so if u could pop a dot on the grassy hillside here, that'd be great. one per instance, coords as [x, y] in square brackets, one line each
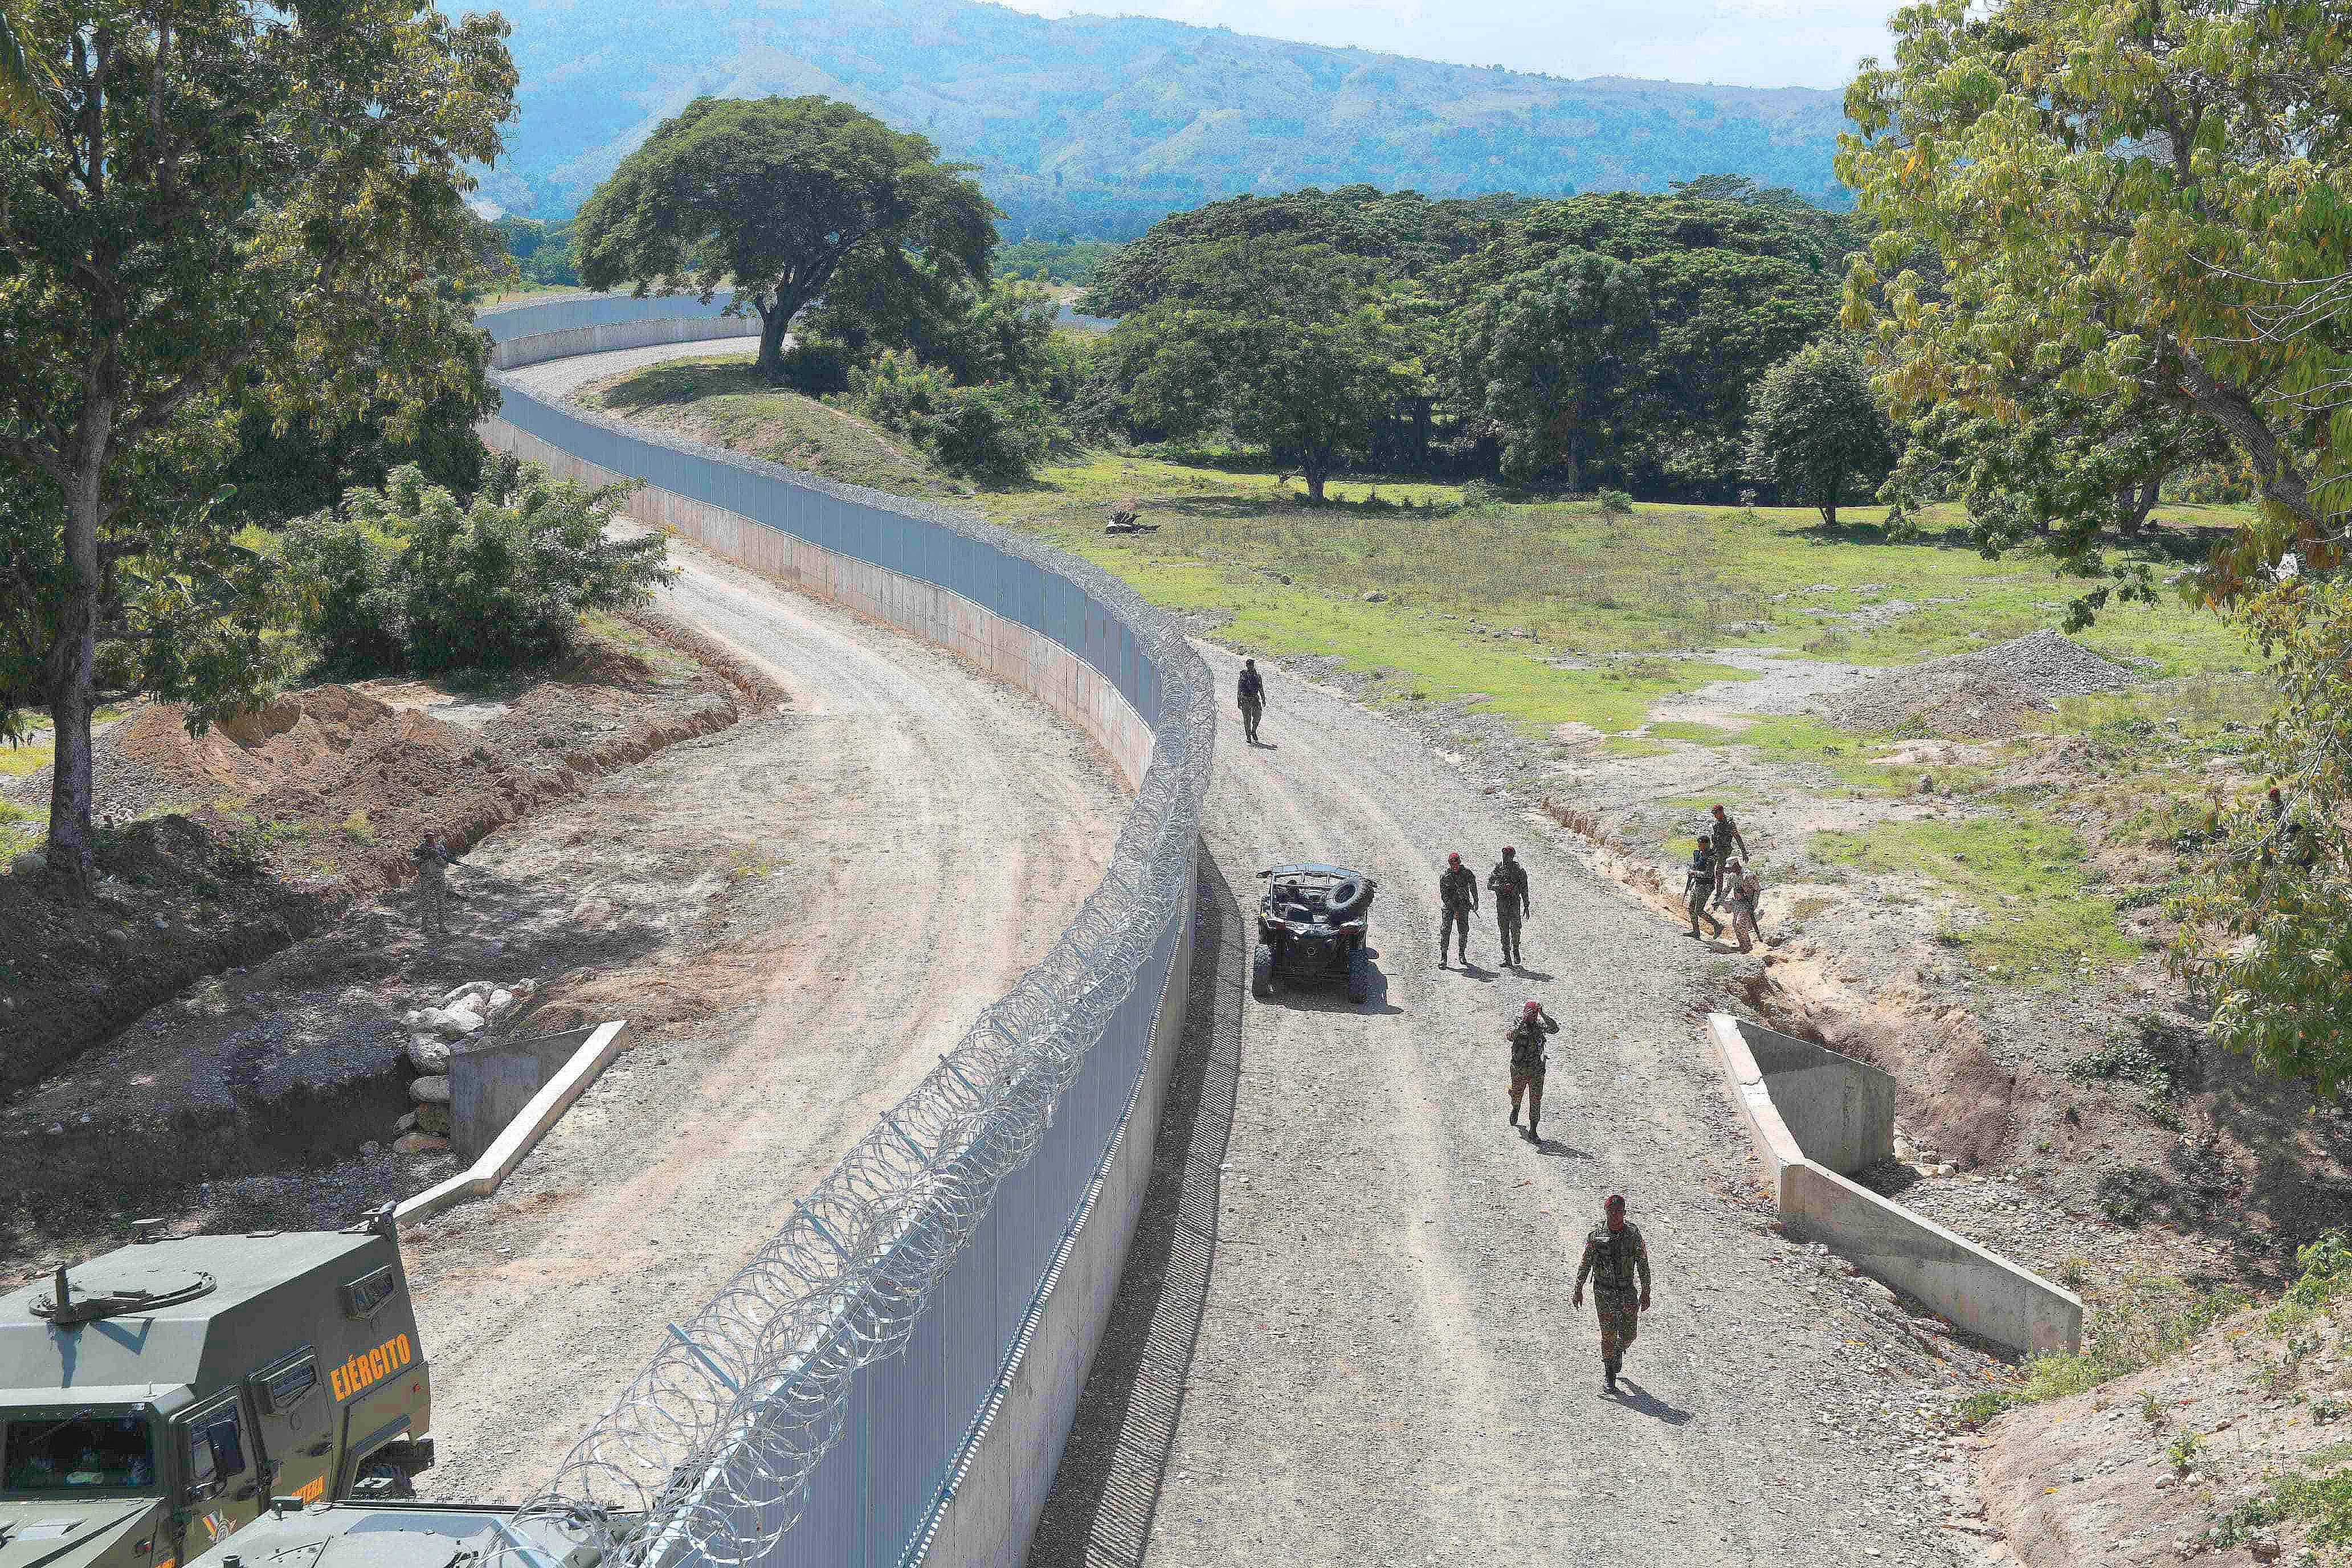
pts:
[1097, 125]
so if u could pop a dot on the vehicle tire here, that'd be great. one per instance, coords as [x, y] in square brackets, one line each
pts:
[1261, 973]
[1359, 977]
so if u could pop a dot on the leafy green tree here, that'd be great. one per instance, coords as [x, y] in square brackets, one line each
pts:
[22, 76]
[1816, 433]
[1543, 360]
[2120, 193]
[1287, 346]
[777, 195]
[240, 206]
[2267, 929]
[412, 576]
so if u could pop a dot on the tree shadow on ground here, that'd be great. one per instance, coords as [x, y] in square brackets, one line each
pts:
[1106, 1491]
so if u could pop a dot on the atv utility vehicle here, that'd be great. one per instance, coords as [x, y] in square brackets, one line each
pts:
[1310, 926]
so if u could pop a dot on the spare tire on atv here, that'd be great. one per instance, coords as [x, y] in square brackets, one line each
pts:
[1262, 972]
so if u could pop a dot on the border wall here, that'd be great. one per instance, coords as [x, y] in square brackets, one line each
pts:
[1846, 1109]
[891, 1381]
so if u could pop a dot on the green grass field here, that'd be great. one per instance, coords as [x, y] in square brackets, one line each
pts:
[1610, 605]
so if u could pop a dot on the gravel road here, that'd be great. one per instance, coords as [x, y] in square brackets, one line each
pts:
[1388, 1368]
[891, 851]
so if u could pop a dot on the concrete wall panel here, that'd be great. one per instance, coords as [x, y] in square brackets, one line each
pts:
[1079, 657]
[1842, 1111]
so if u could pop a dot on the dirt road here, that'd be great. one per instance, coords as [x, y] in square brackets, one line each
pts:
[1388, 1367]
[800, 877]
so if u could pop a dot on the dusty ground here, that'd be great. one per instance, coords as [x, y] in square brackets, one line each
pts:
[2218, 1184]
[797, 889]
[2177, 1460]
[275, 821]
[1387, 1367]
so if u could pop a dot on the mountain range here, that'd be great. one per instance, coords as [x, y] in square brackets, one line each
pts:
[1097, 126]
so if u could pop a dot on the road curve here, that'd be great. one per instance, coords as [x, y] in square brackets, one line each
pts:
[1387, 1368]
[893, 850]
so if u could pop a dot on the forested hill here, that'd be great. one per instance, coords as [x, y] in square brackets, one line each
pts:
[1098, 126]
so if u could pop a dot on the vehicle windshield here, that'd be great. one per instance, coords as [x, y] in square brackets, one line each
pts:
[89, 1451]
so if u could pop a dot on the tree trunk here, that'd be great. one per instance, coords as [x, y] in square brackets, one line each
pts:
[2132, 515]
[72, 670]
[773, 320]
[1315, 478]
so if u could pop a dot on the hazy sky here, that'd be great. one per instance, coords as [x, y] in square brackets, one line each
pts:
[1747, 43]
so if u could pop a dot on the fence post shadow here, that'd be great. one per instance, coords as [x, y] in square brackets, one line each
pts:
[1107, 1490]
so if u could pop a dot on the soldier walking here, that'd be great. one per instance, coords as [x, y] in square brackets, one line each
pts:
[1745, 891]
[433, 862]
[1457, 895]
[1614, 1256]
[1526, 1038]
[1513, 901]
[1698, 886]
[1252, 695]
[1727, 837]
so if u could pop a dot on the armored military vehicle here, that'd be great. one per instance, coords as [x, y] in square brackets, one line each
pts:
[1310, 926]
[155, 1400]
[418, 1535]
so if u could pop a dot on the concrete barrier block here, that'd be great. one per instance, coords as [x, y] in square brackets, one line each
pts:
[1841, 1111]
[1980, 1290]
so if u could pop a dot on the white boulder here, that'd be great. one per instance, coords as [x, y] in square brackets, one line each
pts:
[431, 1089]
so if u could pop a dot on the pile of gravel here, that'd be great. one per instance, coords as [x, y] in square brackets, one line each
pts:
[2050, 665]
[1979, 696]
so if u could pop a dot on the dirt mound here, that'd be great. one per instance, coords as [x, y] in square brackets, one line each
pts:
[313, 741]
[292, 811]
[1979, 696]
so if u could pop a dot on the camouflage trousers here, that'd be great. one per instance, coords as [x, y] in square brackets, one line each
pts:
[1507, 924]
[1621, 1320]
[1530, 1085]
[432, 898]
[1694, 896]
[1456, 917]
[1253, 708]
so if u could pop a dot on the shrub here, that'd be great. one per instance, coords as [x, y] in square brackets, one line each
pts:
[997, 433]
[411, 577]
[817, 367]
[1616, 504]
[899, 392]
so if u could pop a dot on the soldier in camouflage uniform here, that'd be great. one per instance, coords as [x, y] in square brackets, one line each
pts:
[1513, 901]
[1698, 886]
[1526, 1038]
[433, 862]
[1728, 842]
[1457, 896]
[1250, 693]
[1614, 1257]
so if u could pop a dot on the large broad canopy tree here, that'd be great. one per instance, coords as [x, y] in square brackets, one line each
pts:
[776, 195]
[239, 204]
[2127, 196]
[2141, 205]
[1285, 346]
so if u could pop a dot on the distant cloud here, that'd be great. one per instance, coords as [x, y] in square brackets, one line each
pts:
[1743, 43]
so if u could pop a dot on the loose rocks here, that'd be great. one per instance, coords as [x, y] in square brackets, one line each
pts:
[433, 1089]
[1979, 696]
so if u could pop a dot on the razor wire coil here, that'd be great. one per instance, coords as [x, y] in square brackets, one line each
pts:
[707, 1454]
